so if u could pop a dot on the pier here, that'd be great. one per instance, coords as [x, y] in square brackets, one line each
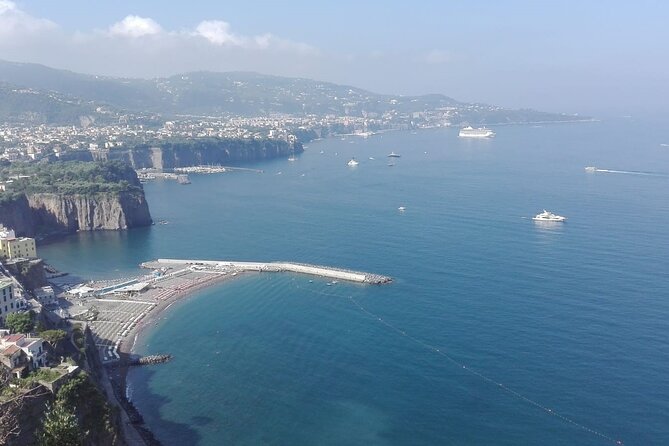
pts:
[215, 169]
[114, 309]
[301, 268]
[145, 175]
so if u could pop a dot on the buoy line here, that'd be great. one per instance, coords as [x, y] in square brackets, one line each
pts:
[474, 372]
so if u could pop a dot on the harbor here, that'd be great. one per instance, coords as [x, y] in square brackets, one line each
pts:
[224, 266]
[180, 174]
[145, 175]
[115, 309]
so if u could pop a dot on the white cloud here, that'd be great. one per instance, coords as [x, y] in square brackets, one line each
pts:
[263, 41]
[14, 22]
[218, 32]
[135, 26]
[140, 47]
[6, 6]
[436, 57]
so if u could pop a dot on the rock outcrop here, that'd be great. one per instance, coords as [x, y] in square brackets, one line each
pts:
[47, 213]
[29, 272]
[72, 213]
[15, 213]
[195, 152]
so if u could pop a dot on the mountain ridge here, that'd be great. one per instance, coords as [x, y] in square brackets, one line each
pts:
[238, 93]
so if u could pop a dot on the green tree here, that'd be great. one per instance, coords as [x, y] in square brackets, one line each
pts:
[19, 322]
[53, 337]
[94, 413]
[59, 428]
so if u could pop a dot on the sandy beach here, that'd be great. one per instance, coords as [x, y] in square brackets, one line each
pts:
[126, 347]
[117, 371]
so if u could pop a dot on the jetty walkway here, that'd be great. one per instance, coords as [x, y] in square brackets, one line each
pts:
[302, 268]
[113, 310]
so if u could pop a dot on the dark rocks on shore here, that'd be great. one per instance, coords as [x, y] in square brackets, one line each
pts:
[148, 360]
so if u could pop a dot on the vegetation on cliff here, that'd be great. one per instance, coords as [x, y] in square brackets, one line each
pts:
[20, 322]
[76, 414]
[66, 197]
[59, 428]
[70, 178]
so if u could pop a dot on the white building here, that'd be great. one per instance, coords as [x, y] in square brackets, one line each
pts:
[32, 347]
[45, 295]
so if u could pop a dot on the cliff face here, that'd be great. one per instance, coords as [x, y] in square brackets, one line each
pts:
[29, 272]
[71, 213]
[197, 152]
[16, 213]
[54, 213]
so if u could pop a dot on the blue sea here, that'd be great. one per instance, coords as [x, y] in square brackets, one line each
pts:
[496, 330]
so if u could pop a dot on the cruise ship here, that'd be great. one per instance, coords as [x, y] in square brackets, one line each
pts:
[548, 216]
[470, 132]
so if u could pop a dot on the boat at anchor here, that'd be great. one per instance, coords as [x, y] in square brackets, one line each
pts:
[548, 216]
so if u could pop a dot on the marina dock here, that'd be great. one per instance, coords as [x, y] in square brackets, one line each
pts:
[302, 268]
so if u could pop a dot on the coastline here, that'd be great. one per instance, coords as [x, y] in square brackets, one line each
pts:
[127, 346]
[118, 372]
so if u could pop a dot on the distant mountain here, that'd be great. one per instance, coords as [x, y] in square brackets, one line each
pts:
[240, 93]
[130, 94]
[18, 104]
[237, 93]
[253, 94]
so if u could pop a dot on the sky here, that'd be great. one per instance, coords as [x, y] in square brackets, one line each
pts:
[588, 57]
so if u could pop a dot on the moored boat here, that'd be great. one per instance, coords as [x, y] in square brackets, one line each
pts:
[548, 216]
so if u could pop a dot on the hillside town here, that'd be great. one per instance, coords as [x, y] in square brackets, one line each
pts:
[34, 142]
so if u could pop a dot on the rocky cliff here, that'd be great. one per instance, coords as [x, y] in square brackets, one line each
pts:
[196, 152]
[49, 213]
[71, 213]
[15, 212]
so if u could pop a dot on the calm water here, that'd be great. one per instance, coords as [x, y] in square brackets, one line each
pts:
[574, 317]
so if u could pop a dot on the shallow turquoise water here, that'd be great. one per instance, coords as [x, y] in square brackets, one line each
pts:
[572, 317]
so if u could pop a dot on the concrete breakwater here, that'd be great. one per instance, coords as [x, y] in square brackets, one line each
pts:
[302, 268]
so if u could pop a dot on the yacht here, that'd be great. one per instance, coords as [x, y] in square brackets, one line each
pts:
[352, 163]
[401, 209]
[471, 132]
[548, 216]
[591, 169]
[393, 155]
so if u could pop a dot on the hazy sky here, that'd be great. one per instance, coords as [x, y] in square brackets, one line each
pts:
[568, 56]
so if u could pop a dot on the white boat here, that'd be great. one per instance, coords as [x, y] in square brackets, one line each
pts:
[471, 132]
[548, 216]
[401, 209]
[393, 155]
[591, 169]
[352, 163]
